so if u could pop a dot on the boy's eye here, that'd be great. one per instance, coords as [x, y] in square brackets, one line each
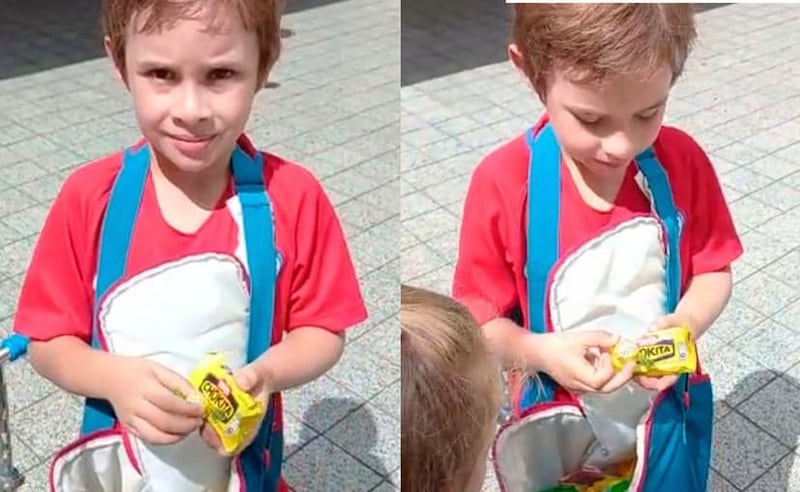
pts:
[588, 120]
[648, 116]
[222, 74]
[160, 74]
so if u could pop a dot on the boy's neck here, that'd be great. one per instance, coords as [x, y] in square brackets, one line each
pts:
[204, 188]
[598, 192]
[186, 200]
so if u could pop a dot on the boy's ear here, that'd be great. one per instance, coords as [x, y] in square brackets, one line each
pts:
[516, 59]
[118, 72]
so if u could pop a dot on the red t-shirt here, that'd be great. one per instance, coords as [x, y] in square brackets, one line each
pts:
[489, 274]
[317, 283]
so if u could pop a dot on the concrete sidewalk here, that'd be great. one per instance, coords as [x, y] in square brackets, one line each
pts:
[335, 109]
[739, 98]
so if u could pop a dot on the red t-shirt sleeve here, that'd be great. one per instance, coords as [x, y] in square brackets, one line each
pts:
[56, 296]
[484, 279]
[715, 243]
[325, 292]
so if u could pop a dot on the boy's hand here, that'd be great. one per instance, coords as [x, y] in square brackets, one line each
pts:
[145, 401]
[250, 380]
[660, 383]
[580, 362]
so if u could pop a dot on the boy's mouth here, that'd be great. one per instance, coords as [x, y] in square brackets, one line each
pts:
[191, 139]
[191, 146]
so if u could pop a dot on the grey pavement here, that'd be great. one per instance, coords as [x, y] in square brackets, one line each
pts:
[334, 107]
[739, 98]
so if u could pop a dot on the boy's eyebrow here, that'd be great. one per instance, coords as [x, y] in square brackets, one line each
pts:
[586, 109]
[654, 106]
[150, 63]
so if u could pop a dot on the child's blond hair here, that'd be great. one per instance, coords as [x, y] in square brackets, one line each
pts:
[261, 16]
[590, 41]
[450, 387]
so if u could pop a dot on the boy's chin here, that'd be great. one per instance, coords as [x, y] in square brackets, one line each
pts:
[190, 165]
[601, 168]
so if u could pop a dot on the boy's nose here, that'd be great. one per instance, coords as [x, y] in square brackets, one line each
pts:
[191, 107]
[619, 147]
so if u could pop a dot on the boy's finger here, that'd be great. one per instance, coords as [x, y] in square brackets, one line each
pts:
[600, 339]
[148, 433]
[619, 379]
[174, 404]
[591, 377]
[173, 381]
[169, 422]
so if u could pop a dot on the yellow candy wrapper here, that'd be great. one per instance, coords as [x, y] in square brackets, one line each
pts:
[230, 411]
[662, 352]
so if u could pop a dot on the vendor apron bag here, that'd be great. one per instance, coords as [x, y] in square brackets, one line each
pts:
[548, 433]
[103, 458]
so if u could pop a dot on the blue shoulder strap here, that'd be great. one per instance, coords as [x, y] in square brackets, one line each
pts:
[262, 257]
[120, 217]
[118, 223]
[543, 214]
[664, 204]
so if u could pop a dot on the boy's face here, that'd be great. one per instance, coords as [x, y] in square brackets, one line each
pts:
[192, 88]
[601, 128]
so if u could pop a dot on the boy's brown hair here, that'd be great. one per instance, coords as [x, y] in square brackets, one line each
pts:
[450, 391]
[591, 41]
[261, 16]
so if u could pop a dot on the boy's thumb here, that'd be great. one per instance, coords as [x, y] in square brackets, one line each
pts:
[246, 378]
[599, 339]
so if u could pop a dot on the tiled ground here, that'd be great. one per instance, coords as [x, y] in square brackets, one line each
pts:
[741, 100]
[335, 108]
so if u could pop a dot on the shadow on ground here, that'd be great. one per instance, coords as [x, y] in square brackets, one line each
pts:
[761, 413]
[40, 35]
[362, 439]
[448, 36]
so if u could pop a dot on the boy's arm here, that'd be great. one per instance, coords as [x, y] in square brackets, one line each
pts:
[293, 363]
[705, 299]
[71, 364]
[325, 299]
[714, 246]
[484, 280]
[54, 309]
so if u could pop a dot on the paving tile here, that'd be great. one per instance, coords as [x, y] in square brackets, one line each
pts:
[321, 403]
[13, 200]
[439, 280]
[734, 375]
[320, 463]
[33, 424]
[783, 476]
[745, 180]
[751, 212]
[384, 339]
[765, 294]
[718, 484]
[363, 371]
[419, 260]
[786, 268]
[772, 344]
[370, 435]
[736, 320]
[432, 224]
[742, 452]
[36, 479]
[774, 409]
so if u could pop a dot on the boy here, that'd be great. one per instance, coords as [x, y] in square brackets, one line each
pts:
[190, 242]
[595, 237]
